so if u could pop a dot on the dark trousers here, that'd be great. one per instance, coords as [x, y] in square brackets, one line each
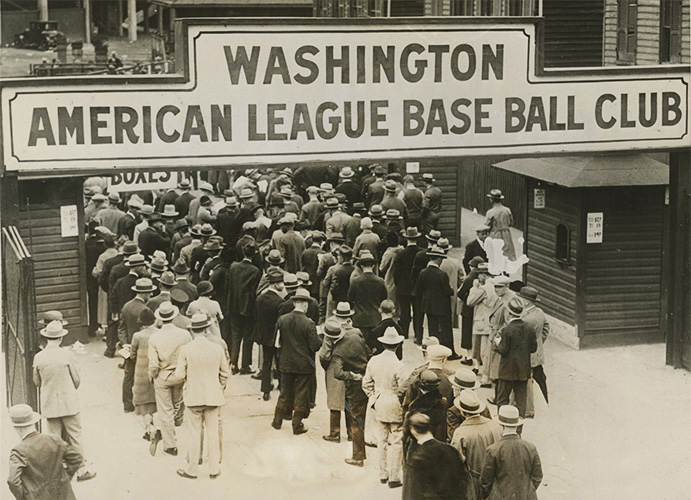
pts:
[92, 298]
[418, 319]
[404, 303]
[269, 354]
[294, 398]
[519, 388]
[335, 423]
[111, 335]
[440, 326]
[241, 333]
[356, 405]
[127, 384]
[467, 332]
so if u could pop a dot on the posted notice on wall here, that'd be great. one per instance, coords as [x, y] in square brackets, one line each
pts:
[595, 227]
[539, 198]
[69, 224]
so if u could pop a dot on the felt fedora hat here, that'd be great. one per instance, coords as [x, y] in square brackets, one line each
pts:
[302, 295]
[411, 233]
[393, 214]
[508, 416]
[246, 193]
[274, 276]
[159, 265]
[366, 257]
[391, 337]
[129, 248]
[469, 402]
[376, 211]
[390, 186]
[464, 378]
[326, 186]
[146, 210]
[207, 230]
[114, 196]
[303, 278]
[515, 307]
[444, 244]
[167, 311]
[495, 194]
[54, 330]
[346, 173]
[50, 316]
[181, 224]
[475, 261]
[184, 184]
[167, 278]
[345, 250]
[231, 201]
[23, 415]
[204, 288]
[180, 267]
[275, 258]
[331, 203]
[169, 211]
[290, 281]
[343, 310]
[143, 285]
[136, 260]
[437, 252]
[433, 235]
[529, 293]
[333, 329]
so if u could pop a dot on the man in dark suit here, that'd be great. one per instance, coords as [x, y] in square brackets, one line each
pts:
[128, 326]
[476, 247]
[403, 278]
[122, 291]
[433, 290]
[515, 342]
[298, 342]
[95, 246]
[182, 202]
[433, 470]
[154, 237]
[241, 282]
[341, 275]
[127, 223]
[292, 283]
[226, 222]
[349, 357]
[366, 293]
[268, 303]
[167, 199]
[113, 268]
[512, 468]
[467, 311]
[310, 261]
[42, 465]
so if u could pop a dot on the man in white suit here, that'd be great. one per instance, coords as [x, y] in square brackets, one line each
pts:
[203, 366]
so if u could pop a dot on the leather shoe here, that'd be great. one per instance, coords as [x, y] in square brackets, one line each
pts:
[487, 385]
[171, 451]
[257, 376]
[395, 484]
[453, 357]
[154, 443]
[276, 424]
[109, 354]
[214, 476]
[467, 362]
[234, 370]
[184, 474]
[146, 436]
[371, 445]
[246, 371]
[266, 396]
[476, 371]
[332, 439]
[300, 430]
[384, 480]
[357, 463]
[86, 476]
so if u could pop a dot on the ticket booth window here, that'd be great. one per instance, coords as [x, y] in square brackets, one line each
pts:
[563, 244]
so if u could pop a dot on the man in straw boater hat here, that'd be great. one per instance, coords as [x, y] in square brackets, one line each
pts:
[349, 358]
[435, 293]
[42, 465]
[366, 293]
[433, 469]
[383, 382]
[203, 367]
[512, 467]
[128, 326]
[462, 379]
[297, 341]
[474, 435]
[266, 309]
[164, 348]
[56, 375]
[515, 342]
[499, 219]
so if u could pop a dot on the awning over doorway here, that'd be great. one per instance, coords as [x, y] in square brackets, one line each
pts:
[592, 171]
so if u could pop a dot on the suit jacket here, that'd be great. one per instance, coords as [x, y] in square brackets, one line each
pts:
[310, 211]
[512, 469]
[41, 467]
[341, 281]
[242, 280]
[203, 366]
[122, 292]
[434, 471]
[310, 264]
[108, 265]
[535, 318]
[126, 226]
[467, 284]
[298, 341]
[351, 230]
[110, 218]
[383, 381]
[434, 291]
[403, 270]
[55, 373]
[291, 245]
[351, 192]
[335, 224]
[129, 316]
[226, 224]
[350, 355]
[94, 248]
[267, 307]
[454, 419]
[288, 305]
[151, 240]
[432, 404]
[182, 203]
[167, 199]
[517, 342]
[365, 294]
[473, 249]
[164, 349]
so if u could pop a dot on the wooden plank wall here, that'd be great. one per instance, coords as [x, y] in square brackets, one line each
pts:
[573, 33]
[624, 273]
[556, 282]
[60, 278]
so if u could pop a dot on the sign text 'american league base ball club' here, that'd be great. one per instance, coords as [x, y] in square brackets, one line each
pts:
[268, 93]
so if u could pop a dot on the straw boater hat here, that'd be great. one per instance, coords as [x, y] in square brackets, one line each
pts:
[433, 235]
[23, 415]
[464, 378]
[495, 194]
[184, 184]
[333, 329]
[393, 214]
[199, 321]
[343, 310]
[50, 316]
[231, 202]
[346, 173]
[54, 330]
[290, 281]
[331, 203]
[391, 337]
[158, 264]
[436, 252]
[326, 186]
[469, 403]
[444, 244]
[508, 416]
[129, 248]
[246, 193]
[302, 295]
[207, 230]
[303, 278]
[376, 211]
[169, 211]
[166, 311]
[411, 233]
[143, 285]
[136, 260]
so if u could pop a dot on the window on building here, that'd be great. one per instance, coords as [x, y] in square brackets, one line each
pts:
[515, 7]
[562, 251]
[626, 31]
[462, 8]
[486, 8]
[670, 31]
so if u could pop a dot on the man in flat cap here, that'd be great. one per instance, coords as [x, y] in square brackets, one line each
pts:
[476, 248]
[534, 317]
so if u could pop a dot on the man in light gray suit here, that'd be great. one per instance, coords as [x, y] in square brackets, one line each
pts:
[203, 366]
[55, 373]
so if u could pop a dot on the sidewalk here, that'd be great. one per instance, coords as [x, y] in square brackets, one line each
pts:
[616, 428]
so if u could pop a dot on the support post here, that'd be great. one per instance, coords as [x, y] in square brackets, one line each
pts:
[132, 23]
[42, 10]
[87, 21]
[159, 16]
[120, 20]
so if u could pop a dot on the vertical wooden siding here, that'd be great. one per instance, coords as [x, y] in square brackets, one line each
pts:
[573, 33]
[624, 273]
[555, 281]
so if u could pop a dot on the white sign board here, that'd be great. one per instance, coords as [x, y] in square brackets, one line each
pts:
[595, 227]
[539, 198]
[256, 92]
[69, 225]
[142, 181]
[412, 167]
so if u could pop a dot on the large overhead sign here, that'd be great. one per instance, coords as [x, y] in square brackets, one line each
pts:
[257, 93]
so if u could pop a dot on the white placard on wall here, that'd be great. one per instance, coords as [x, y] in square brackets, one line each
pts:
[595, 227]
[539, 198]
[69, 221]
[412, 167]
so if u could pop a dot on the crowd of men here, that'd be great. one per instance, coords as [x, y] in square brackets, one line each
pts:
[327, 265]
